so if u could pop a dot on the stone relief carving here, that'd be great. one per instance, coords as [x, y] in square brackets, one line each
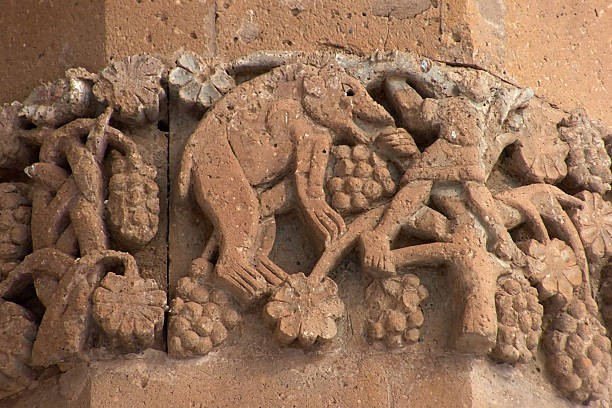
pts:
[412, 165]
[84, 187]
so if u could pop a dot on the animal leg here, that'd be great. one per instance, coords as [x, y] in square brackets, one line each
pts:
[481, 202]
[273, 274]
[226, 197]
[375, 245]
[312, 156]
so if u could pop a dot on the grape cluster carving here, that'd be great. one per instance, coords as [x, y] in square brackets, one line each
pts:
[394, 314]
[15, 212]
[519, 320]
[578, 351]
[201, 318]
[133, 203]
[361, 178]
[17, 333]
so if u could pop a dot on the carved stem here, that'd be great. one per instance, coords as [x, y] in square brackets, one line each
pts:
[474, 277]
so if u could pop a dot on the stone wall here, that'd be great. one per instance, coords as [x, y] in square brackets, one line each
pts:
[559, 48]
[503, 283]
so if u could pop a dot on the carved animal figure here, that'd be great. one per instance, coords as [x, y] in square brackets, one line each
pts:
[270, 138]
[466, 145]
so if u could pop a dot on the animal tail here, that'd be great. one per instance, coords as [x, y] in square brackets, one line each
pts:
[184, 177]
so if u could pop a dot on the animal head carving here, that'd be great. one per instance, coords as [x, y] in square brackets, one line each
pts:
[342, 103]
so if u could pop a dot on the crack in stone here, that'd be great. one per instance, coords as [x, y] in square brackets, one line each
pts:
[496, 75]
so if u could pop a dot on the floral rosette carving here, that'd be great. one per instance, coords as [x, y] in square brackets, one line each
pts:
[578, 351]
[130, 310]
[199, 83]
[17, 334]
[200, 319]
[594, 224]
[539, 155]
[553, 269]
[519, 321]
[394, 314]
[133, 203]
[133, 88]
[304, 311]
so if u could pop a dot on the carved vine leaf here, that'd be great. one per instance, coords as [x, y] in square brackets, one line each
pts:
[17, 333]
[304, 311]
[200, 83]
[130, 310]
[200, 319]
[540, 157]
[519, 321]
[552, 267]
[133, 88]
[394, 313]
[594, 224]
[588, 161]
[57, 103]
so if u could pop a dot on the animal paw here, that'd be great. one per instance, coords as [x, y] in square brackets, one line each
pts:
[377, 258]
[242, 280]
[325, 220]
[398, 142]
[273, 274]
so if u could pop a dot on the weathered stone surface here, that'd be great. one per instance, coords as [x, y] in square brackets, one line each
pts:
[533, 45]
[61, 40]
[554, 47]
[394, 165]
[557, 48]
[441, 381]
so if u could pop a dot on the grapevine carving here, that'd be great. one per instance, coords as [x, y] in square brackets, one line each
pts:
[84, 189]
[414, 166]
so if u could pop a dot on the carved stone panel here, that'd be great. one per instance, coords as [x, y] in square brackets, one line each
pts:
[328, 202]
